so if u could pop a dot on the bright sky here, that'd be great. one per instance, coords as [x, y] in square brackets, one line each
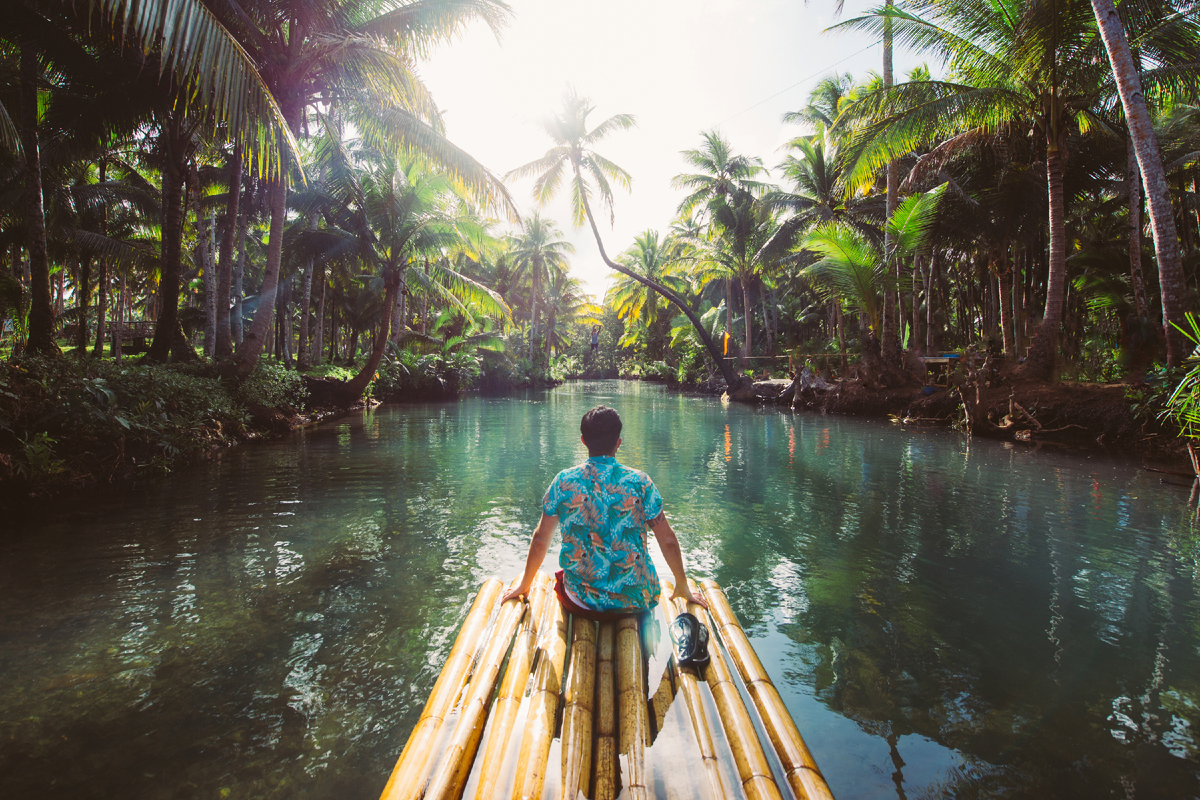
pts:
[679, 66]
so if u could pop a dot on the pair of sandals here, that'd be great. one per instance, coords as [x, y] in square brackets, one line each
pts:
[689, 640]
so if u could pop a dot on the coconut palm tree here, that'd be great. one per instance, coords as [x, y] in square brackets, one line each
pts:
[572, 155]
[1035, 66]
[538, 253]
[719, 172]
[634, 302]
[1149, 161]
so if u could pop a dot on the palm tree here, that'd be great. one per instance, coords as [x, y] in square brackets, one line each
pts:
[360, 59]
[853, 269]
[572, 151]
[1038, 68]
[1149, 161]
[635, 302]
[720, 171]
[538, 252]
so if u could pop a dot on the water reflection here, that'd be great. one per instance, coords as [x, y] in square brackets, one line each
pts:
[943, 617]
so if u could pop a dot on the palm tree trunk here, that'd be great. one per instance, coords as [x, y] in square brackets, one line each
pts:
[356, 385]
[1133, 181]
[207, 263]
[918, 281]
[1162, 221]
[1040, 363]
[224, 333]
[247, 355]
[41, 315]
[83, 292]
[746, 317]
[1004, 276]
[841, 335]
[239, 275]
[891, 341]
[319, 334]
[102, 278]
[714, 352]
[167, 329]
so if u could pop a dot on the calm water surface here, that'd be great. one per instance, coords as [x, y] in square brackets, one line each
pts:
[944, 617]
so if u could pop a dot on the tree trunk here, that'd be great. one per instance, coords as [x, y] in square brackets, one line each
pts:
[319, 334]
[1040, 363]
[356, 385]
[731, 380]
[890, 344]
[536, 267]
[1133, 182]
[918, 282]
[251, 348]
[101, 308]
[83, 293]
[1162, 221]
[167, 329]
[841, 335]
[224, 332]
[207, 262]
[1004, 277]
[41, 315]
[239, 274]
[746, 317]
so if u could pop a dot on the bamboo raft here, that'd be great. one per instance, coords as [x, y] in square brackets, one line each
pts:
[504, 721]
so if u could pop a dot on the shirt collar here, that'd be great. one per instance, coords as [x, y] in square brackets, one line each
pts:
[603, 459]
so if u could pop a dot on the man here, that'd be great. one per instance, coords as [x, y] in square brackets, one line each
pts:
[604, 508]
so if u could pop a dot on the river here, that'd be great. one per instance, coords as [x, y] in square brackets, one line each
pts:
[943, 616]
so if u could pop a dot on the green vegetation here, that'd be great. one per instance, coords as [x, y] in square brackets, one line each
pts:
[287, 192]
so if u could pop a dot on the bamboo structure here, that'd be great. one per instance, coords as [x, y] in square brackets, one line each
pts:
[543, 709]
[605, 755]
[803, 774]
[689, 685]
[633, 723]
[577, 710]
[512, 690]
[467, 742]
[753, 769]
[408, 776]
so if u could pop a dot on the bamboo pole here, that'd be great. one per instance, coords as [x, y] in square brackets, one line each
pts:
[543, 708]
[604, 755]
[408, 776]
[803, 774]
[450, 775]
[753, 769]
[512, 689]
[577, 710]
[690, 687]
[633, 722]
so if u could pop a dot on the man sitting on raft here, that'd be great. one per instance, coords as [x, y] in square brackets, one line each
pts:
[604, 508]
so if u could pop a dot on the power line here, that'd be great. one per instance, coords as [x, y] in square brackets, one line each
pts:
[797, 83]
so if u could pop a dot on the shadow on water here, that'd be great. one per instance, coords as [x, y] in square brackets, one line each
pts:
[944, 617]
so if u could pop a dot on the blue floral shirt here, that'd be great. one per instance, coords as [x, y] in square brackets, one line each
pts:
[603, 508]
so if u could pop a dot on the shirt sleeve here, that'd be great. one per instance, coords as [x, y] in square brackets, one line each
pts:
[652, 502]
[553, 495]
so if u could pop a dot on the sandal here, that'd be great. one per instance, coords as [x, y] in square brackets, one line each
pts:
[689, 640]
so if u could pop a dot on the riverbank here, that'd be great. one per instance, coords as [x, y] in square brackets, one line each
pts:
[1113, 418]
[74, 424]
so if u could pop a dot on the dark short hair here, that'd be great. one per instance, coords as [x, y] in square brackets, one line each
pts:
[601, 427]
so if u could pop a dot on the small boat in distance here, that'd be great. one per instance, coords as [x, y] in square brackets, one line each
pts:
[575, 713]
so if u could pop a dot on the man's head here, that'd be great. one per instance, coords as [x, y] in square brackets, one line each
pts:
[601, 429]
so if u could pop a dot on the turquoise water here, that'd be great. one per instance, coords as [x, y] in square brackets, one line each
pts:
[944, 617]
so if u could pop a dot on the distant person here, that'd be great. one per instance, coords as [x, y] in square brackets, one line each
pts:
[604, 508]
[595, 338]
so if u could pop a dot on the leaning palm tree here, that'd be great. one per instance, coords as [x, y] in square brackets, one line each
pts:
[572, 154]
[537, 252]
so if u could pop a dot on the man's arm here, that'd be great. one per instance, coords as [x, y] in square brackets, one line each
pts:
[669, 544]
[537, 553]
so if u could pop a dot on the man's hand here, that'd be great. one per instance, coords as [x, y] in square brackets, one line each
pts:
[515, 593]
[685, 593]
